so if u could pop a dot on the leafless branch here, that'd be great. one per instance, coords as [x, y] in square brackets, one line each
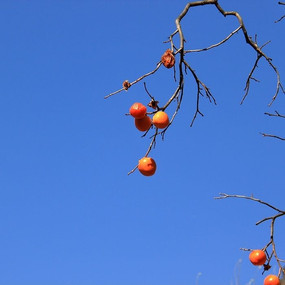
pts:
[179, 97]
[136, 81]
[215, 45]
[255, 47]
[247, 85]
[224, 195]
[273, 218]
[152, 145]
[273, 136]
[270, 218]
[170, 39]
[280, 19]
[200, 86]
[277, 114]
[250, 77]
[179, 53]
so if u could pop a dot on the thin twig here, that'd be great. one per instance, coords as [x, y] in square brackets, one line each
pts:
[136, 81]
[277, 114]
[273, 136]
[270, 218]
[215, 45]
[152, 145]
[247, 85]
[200, 86]
[224, 195]
[279, 20]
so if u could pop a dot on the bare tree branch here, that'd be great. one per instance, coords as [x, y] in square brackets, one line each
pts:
[136, 81]
[280, 3]
[200, 87]
[255, 47]
[280, 19]
[273, 136]
[277, 114]
[247, 85]
[273, 218]
[215, 45]
[224, 195]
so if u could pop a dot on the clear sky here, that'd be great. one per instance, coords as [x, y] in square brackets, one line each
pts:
[70, 214]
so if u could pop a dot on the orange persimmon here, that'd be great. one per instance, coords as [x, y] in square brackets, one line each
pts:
[271, 280]
[160, 120]
[257, 257]
[138, 110]
[143, 124]
[147, 166]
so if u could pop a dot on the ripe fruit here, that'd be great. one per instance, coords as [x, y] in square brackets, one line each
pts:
[271, 280]
[160, 120]
[257, 257]
[168, 59]
[147, 166]
[138, 110]
[143, 124]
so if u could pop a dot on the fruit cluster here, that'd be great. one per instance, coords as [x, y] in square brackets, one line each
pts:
[143, 123]
[258, 257]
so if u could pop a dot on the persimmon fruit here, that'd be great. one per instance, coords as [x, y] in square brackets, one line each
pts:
[257, 257]
[168, 59]
[143, 124]
[138, 110]
[271, 280]
[160, 120]
[147, 166]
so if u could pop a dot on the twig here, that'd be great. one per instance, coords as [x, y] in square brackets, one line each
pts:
[215, 45]
[273, 136]
[152, 145]
[277, 114]
[224, 195]
[200, 87]
[247, 85]
[279, 20]
[136, 81]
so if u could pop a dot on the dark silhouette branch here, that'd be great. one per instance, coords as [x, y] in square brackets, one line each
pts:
[273, 136]
[277, 114]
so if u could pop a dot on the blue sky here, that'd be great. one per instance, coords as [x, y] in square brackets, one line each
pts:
[69, 212]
